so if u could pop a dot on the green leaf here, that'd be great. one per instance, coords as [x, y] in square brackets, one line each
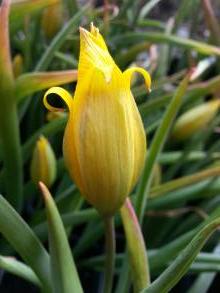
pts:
[204, 280]
[184, 181]
[156, 147]
[171, 250]
[147, 8]
[64, 274]
[136, 247]
[169, 278]
[211, 21]
[58, 40]
[13, 266]
[25, 242]
[158, 38]
[30, 83]
[69, 219]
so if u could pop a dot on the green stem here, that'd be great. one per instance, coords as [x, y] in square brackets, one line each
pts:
[9, 126]
[110, 254]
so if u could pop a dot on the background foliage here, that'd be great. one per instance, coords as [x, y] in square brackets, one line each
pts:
[178, 193]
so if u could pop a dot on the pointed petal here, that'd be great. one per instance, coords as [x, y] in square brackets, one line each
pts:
[94, 55]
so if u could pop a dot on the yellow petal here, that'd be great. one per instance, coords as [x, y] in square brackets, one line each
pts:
[98, 39]
[61, 93]
[94, 55]
[128, 74]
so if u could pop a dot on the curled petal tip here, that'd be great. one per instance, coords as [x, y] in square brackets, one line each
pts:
[128, 73]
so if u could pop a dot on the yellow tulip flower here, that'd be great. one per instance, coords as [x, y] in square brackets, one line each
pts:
[104, 143]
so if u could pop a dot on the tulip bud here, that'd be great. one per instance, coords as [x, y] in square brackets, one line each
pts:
[17, 65]
[194, 120]
[43, 164]
[104, 142]
[52, 19]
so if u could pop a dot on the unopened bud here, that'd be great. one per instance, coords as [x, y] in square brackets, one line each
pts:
[195, 120]
[43, 164]
[52, 19]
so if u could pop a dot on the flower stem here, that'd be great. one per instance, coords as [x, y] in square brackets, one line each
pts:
[110, 254]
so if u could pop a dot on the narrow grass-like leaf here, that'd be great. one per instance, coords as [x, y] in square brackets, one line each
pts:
[158, 38]
[179, 267]
[64, 274]
[58, 40]
[136, 247]
[193, 156]
[203, 282]
[30, 83]
[202, 189]
[15, 267]
[25, 242]
[156, 147]
[69, 219]
[197, 90]
[148, 7]
[184, 181]
[211, 20]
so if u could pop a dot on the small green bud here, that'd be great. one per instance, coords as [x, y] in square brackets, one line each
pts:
[43, 164]
[195, 120]
[52, 19]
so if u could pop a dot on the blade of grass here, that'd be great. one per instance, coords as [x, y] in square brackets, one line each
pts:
[184, 181]
[22, 238]
[158, 38]
[145, 10]
[198, 90]
[30, 83]
[70, 26]
[178, 197]
[15, 267]
[136, 247]
[64, 274]
[156, 147]
[179, 267]
[69, 219]
[204, 281]
[211, 20]
[193, 156]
